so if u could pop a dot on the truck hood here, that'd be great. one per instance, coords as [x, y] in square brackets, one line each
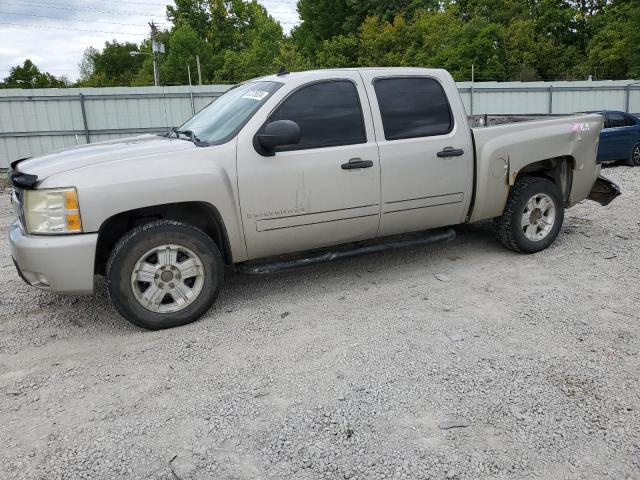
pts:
[103, 152]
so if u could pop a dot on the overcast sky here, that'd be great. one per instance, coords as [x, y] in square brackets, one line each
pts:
[54, 34]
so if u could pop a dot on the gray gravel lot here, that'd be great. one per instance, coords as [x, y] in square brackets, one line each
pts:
[459, 360]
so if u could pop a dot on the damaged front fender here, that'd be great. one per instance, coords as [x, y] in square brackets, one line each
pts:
[604, 191]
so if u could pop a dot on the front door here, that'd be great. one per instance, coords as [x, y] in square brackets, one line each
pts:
[326, 189]
[426, 156]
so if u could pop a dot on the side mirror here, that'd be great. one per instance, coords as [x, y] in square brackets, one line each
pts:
[279, 134]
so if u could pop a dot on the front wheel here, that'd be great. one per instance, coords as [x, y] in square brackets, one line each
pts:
[532, 217]
[634, 157]
[164, 274]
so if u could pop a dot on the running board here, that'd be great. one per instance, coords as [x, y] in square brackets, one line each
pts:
[256, 268]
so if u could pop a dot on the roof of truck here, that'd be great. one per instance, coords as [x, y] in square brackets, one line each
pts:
[312, 73]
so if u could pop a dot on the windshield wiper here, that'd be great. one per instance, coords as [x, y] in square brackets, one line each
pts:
[189, 133]
[191, 136]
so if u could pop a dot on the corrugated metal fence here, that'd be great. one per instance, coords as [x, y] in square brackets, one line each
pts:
[34, 122]
[550, 97]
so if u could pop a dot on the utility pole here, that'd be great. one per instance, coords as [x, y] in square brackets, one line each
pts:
[199, 72]
[156, 49]
[156, 76]
[193, 106]
[473, 79]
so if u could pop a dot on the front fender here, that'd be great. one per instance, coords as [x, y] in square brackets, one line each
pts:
[205, 175]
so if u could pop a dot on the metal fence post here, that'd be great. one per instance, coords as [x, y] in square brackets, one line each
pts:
[628, 96]
[627, 99]
[193, 106]
[550, 99]
[471, 100]
[84, 118]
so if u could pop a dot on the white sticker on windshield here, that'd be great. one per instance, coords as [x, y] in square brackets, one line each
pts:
[255, 95]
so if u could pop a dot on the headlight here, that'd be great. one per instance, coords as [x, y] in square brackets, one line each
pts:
[52, 211]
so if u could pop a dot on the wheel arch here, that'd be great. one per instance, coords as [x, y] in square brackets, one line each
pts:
[202, 215]
[557, 169]
[492, 193]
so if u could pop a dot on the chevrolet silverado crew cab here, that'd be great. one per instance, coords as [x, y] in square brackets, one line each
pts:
[286, 164]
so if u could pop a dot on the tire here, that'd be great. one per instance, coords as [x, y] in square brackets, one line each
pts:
[164, 274]
[634, 156]
[526, 229]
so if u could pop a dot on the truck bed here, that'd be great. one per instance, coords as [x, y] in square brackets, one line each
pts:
[487, 120]
[503, 150]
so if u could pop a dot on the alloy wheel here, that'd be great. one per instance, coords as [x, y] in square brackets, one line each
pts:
[167, 279]
[538, 217]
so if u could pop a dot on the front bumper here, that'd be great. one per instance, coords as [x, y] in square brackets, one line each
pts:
[604, 191]
[61, 264]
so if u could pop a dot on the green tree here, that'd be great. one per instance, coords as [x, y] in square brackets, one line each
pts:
[386, 10]
[182, 47]
[235, 39]
[28, 75]
[291, 57]
[324, 19]
[436, 40]
[321, 20]
[341, 51]
[194, 13]
[111, 67]
[256, 43]
[388, 44]
[544, 39]
[614, 50]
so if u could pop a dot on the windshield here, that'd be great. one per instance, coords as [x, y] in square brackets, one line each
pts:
[221, 120]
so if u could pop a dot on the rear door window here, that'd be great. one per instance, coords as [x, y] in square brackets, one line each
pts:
[413, 107]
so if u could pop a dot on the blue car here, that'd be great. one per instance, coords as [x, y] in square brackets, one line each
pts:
[620, 138]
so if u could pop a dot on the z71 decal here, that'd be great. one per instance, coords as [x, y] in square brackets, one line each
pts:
[580, 127]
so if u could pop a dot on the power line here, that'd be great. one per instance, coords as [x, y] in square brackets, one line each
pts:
[164, 4]
[70, 28]
[73, 9]
[291, 17]
[73, 20]
[282, 2]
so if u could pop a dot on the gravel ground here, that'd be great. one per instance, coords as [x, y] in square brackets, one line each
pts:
[459, 360]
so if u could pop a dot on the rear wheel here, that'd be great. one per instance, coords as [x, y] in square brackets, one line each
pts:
[634, 157]
[164, 274]
[532, 217]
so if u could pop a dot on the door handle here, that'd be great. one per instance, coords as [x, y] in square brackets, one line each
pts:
[450, 152]
[355, 163]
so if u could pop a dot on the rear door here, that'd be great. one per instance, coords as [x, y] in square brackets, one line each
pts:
[324, 190]
[426, 151]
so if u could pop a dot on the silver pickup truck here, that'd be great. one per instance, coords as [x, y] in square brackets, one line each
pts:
[286, 164]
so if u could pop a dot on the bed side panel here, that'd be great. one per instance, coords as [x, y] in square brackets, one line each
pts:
[503, 151]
